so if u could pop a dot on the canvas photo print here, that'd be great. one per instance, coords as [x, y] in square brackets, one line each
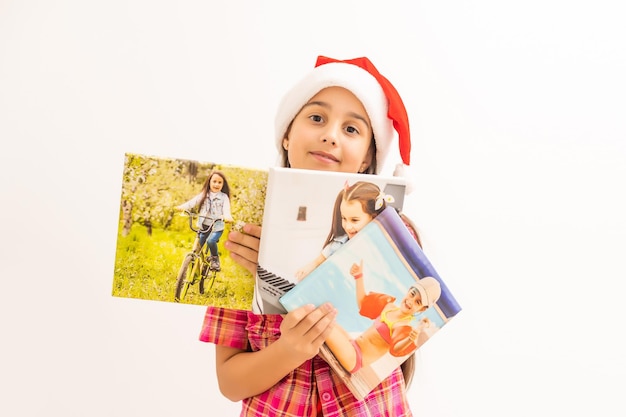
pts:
[174, 216]
[299, 216]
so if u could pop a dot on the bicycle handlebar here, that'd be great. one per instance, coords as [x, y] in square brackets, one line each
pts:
[193, 215]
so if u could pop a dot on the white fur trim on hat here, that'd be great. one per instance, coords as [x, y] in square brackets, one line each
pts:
[353, 78]
[403, 171]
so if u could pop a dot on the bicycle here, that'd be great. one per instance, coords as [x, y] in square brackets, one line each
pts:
[196, 266]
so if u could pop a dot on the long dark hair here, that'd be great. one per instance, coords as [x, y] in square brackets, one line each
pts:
[207, 185]
[408, 366]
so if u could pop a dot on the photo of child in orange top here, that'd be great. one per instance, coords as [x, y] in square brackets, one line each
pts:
[391, 331]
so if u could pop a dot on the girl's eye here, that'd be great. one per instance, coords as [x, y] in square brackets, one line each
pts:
[352, 129]
[316, 118]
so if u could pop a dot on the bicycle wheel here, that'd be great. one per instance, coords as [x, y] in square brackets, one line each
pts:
[206, 282]
[203, 275]
[185, 277]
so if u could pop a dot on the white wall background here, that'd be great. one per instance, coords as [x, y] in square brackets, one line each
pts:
[519, 137]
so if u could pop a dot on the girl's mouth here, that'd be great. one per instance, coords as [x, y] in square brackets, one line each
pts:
[324, 156]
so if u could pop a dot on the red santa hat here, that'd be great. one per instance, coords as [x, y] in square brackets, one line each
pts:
[381, 100]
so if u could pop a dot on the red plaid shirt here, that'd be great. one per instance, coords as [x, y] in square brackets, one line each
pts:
[307, 389]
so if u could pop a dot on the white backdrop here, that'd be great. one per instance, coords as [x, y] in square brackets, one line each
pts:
[519, 138]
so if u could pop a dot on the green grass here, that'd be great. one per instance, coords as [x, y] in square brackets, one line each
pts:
[146, 268]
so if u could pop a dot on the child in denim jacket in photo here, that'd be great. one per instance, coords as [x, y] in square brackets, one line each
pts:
[343, 116]
[356, 205]
[213, 206]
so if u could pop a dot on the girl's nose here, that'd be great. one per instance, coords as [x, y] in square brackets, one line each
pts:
[331, 134]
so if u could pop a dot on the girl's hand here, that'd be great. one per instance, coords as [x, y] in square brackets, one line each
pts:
[244, 247]
[423, 324]
[356, 270]
[303, 272]
[304, 330]
[415, 333]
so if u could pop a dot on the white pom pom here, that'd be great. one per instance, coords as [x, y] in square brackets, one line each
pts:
[402, 170]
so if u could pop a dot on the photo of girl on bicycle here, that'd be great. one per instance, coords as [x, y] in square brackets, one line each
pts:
[213, 208]
[170, 246]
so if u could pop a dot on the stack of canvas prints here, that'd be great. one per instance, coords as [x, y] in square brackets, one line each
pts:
[390, 300]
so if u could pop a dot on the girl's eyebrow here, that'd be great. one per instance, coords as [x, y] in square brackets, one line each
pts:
[328, 106]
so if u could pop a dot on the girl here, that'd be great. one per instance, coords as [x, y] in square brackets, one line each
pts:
[213, 205]
[355, 206]
[340, 117]
[391, 331]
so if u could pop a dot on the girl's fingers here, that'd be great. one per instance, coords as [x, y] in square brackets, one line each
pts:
[243, 239]
[248, 265]
[244, 256]
[322, 328]
[246, 252]
[294, 317]
[253, 230]
[305, 329]
[244, 248]
[310, 321]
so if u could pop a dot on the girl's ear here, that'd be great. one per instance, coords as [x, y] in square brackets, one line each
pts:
[286, 143]
[367, 161]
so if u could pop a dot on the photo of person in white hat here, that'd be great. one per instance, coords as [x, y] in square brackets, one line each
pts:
[391, 331]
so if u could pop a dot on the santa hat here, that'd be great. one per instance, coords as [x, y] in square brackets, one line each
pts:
[381, 100]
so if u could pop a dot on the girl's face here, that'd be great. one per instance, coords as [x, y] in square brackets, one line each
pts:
[412, 302]
[216, 183]
[353, 218]
[331, 133]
